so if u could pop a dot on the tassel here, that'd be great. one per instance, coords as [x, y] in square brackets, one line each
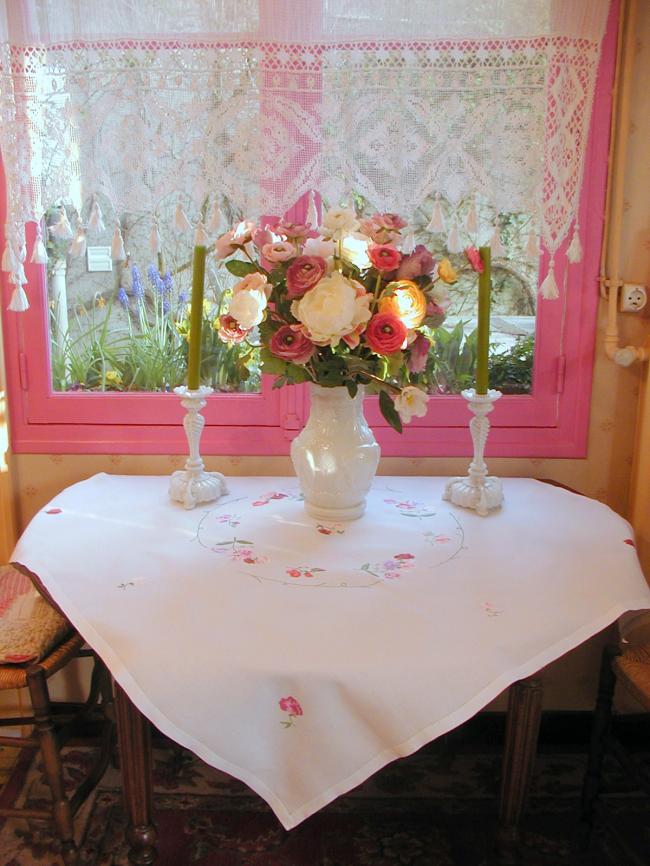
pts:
[22, 255]
[155, 243]
[437, 223]
[532, 247]
[312, 211]
[96, 219]
[39, 253]
[78, 245]
[408, 242]
[19, 277]
[118, 253]
[471, 223]
[496, 245]
[201, 238]
[62, 229]
[19, 302]
[453, 241]
[181, 222]
[574, 253]
[548, 289]
[216, 221]
[9, 260]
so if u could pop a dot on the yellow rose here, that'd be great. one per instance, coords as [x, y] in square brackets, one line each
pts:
[407, 302]
[446, 272]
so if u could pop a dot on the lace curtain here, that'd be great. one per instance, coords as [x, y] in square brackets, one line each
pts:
[144, 105]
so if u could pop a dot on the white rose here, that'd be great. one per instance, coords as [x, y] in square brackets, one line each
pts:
[338, 222]
[334, 308]
[247, 307]
[318, 247]
[411, 401]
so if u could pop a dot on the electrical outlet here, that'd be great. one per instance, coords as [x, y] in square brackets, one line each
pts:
[634, 297]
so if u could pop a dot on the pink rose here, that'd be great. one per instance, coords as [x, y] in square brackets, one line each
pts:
[290, 344]
[417, 264]
[419, 352]
[262, 237]
[390, 221]
[290, 705]
[230, 330]
[385, 334]
[384, 257]
[303, 274]
[253, 282]
[280, 251]
[224, 246]
[474, 258]
[294, 231]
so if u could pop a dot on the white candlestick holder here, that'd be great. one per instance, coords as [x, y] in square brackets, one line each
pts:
[193, 484]
[477, 489]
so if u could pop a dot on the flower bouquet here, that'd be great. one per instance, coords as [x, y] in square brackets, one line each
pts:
[350, 303]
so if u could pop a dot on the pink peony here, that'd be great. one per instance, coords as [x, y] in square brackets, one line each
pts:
[303, 274]
[385, 334]
[390, 221]
[290, 705]
[474, 258]
[290, 344]
[417, 264]
[384, 257]
[280, 251]
[230, 330]
[293, 231]
[419, 352]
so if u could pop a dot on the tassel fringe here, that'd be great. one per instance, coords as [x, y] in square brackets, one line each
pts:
[9, 260]
[574, 253]
[408, 243]
[19, 302]
[181, 222]
[39, 253]
[312, 211]
[437, 223]
[155, 242]
[96, 219]
[532, 247]
[201, 238]
[216, 221]
[78, 245]
[118, 253]
[496, 245]
[471, 223]
[453, 241]
[62, 228]
[548, 289]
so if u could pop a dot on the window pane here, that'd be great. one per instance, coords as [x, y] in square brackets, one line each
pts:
[124, 326]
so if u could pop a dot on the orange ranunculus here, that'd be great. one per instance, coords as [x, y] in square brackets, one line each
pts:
[407, 302]
[446, 272]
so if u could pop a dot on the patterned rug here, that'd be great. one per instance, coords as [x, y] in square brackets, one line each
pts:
[436, 807]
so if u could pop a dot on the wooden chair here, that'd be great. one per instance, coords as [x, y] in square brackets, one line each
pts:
[631, 667]
[52, 725]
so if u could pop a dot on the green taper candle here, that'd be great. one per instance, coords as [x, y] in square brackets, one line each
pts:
[196, 319]
[483, 335]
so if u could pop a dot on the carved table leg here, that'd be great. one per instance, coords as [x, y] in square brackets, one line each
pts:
[522, 728]
[134, 736]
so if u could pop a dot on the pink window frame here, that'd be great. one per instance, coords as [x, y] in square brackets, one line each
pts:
[553, 421]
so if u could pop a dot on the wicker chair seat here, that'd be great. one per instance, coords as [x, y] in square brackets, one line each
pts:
[633, 670]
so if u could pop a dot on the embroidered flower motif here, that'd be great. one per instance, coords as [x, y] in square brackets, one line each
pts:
[265, 498]
[391, 568]
[629, 541]
[437, 538]
[412, 508]
[301, 571]
[53, 511]
[490, 609]
[230, 519]
[292, 707]
[240, 550]
[330, 528]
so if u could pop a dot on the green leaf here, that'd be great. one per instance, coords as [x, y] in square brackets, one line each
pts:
[395, 363]
[389, 411]
[241, 269]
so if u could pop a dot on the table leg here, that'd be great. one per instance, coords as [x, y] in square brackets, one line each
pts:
[522, 728]
[134, 738]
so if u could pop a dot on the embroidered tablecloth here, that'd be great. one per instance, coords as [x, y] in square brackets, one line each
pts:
[301, 657]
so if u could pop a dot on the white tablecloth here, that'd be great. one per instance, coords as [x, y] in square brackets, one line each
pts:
[302, 657]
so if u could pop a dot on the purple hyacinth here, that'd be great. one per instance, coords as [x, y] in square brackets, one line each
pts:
[168, 283]
[123, 298]
[136, 283]
[166, 305]
[154, 278]
[183, 298]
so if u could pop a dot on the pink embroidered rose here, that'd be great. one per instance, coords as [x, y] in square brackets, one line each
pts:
[404, 556]
[290, 344]
[290, 705]
[418, 354]
[419, 263]
[474, 258]
[384, 257]
[230, 330]
[303, 274]
[385, 334]
[281, 251]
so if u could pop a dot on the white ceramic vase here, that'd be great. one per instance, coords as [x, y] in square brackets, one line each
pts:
[335, 456]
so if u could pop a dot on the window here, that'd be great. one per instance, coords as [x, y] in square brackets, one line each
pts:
[295, 128]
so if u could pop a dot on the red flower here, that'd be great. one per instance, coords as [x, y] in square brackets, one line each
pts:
[474, 258]
[291, 344]
[419, 353]
[384, 257]
[303, 273]
[324, 531]
[630, 541]
[290, 705]
[293, 572]
[385, 334]
[230, 330]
